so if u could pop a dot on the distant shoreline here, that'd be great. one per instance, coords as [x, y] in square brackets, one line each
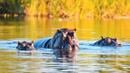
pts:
[51, 17]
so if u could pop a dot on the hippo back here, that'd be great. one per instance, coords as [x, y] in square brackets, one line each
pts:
[43, 43]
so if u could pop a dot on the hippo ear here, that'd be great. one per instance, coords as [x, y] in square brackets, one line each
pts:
[32, 41]
[24, 42]
[115, 39]
[74, 29]
[58, 30]
[102, 37]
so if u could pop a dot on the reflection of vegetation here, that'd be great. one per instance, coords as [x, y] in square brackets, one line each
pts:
[65, 8]
[5, 20]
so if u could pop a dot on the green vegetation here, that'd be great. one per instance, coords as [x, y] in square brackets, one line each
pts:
[11, 7]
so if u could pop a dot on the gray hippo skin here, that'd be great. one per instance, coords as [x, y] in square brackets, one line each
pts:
[107, 42]
[62, 43]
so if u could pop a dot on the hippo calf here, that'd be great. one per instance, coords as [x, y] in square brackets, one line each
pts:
[25, 45]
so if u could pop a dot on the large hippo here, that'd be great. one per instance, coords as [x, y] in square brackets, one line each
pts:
[107, 41]
[63, 43]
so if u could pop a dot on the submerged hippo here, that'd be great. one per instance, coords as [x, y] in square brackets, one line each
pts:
[107, 42]
[25, 45]
[63, 43]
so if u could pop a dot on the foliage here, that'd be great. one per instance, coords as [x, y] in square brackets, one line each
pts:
[80, 8]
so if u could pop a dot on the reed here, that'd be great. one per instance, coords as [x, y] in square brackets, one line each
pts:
[68, 8]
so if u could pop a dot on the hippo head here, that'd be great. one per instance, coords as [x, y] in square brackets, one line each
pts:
[25, 45]
[71, 33]
[61, 42]
[116, 41]
[60, 36]
[112, 41]
[107, 41]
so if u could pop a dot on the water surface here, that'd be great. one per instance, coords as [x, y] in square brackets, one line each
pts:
[90, 59]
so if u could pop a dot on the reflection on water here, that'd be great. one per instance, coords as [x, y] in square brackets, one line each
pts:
[87, 29]
[90, 59]
[85, 63]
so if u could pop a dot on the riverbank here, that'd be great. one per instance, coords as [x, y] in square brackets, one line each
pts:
[65, 16]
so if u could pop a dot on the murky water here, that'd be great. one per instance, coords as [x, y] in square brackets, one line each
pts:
[90, 59]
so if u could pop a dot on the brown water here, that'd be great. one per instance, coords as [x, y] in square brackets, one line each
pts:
[90, 59]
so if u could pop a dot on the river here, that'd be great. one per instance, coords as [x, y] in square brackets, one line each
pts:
[90, 59]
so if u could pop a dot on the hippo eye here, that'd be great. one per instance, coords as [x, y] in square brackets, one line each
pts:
[29, 43]
[115, 39]
[71, 34]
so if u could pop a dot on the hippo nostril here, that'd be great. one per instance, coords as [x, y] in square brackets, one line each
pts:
[119, 44]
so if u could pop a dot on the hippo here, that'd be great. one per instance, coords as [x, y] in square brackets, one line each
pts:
[107, 41]
[25, 46]
[64, 43]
